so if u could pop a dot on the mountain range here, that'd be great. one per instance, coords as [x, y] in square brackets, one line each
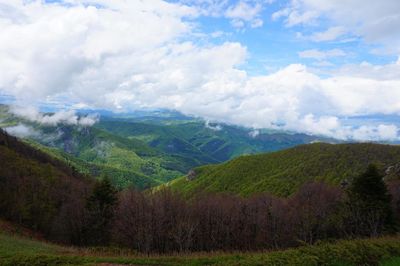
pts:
[147, 148]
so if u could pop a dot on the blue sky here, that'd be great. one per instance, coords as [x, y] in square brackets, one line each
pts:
[274, 44]
[322, 67]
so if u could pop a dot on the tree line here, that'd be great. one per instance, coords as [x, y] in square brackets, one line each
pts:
[165, 222]
[48, 197]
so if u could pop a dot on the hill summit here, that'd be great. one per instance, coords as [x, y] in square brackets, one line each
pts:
[283, 172]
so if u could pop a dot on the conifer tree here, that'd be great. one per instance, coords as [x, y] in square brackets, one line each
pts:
[100, 207]
[369, 204]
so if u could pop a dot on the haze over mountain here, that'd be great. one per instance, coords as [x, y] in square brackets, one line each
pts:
[316, 67]
[142, 149]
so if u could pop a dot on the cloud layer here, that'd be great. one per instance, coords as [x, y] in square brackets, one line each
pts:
[123, 55]
[61, 117]
[374, 21]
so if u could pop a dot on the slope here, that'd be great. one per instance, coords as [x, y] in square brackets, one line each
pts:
[282, 172]
[146, 149]
[200, 143]
[17, 250]
[34, 187]
[128, 162]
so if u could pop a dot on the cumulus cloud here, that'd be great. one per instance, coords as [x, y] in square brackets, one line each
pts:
[132, 54]
[68, 117]
[44, 48]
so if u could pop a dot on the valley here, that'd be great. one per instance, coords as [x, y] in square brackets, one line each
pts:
[146, 149]
[126, 188]
[199, 133]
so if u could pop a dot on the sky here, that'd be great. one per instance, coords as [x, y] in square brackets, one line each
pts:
[323, 67]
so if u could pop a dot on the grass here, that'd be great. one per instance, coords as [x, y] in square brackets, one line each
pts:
[15, 251]
[391, 262]
[16, 246]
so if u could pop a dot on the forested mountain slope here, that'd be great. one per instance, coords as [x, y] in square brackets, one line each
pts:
[37, 190]
[146, 149]
[282, 172]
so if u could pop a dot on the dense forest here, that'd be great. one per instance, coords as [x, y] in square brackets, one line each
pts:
[50, 197]
[145, 149]
[283, 172]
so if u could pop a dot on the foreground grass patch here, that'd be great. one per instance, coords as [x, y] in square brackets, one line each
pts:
[391, 262]
[385, 251]
[12, 246]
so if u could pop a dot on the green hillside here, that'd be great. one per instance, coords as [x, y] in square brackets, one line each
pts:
[200, 144]
[90, 150]
[146, 149]
[120, 177]
[36, 188]
[129, 162]
[16, 250]
[282, 172]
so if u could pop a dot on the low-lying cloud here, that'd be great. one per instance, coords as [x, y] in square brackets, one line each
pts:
[22, 131]
[61, 117]
[133, 54]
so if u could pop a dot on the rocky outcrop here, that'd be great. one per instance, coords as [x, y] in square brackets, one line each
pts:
[191, 175]
[392, 171]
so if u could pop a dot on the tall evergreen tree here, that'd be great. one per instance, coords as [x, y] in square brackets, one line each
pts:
[370, 212]
[100, 207]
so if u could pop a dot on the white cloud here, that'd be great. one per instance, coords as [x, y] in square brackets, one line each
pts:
[61, 117]
[136, 54]
[254, 133]
[329, 35]
[241, 13]
[321, 55]
[22, 131]
[44, 48]
[245, 12]
[381, 132]
[389, 71]
[212, 126]
[323, 63]
[376, 21]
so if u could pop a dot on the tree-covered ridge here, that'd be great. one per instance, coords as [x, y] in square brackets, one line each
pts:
[37, 190]
[147, 149]
[283, 172]
[49, 197]
[204, 142]
[128, 162]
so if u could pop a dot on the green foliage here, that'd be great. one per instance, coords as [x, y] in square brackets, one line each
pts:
[17, 251]
[283, 172]
[391, 262]
[128, 162]
[369, 200]
[149, 149]
[370, 188]
[100, 212]
[203, 144]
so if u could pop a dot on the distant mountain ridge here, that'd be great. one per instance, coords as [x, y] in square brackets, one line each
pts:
[283, 172]
[148, 148]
